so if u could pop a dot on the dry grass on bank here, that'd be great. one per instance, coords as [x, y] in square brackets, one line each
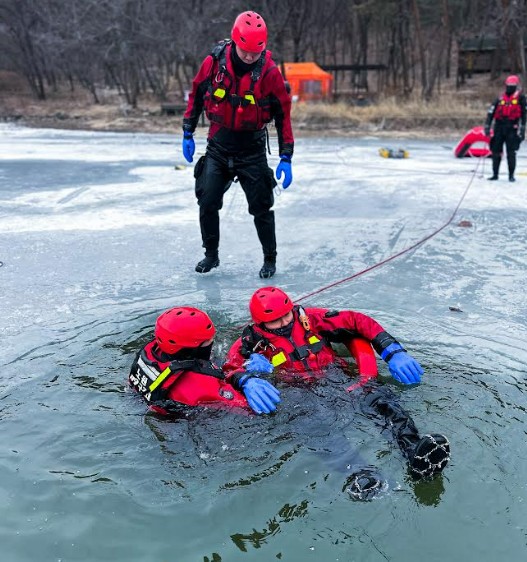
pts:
[452, 113]
[448, 113]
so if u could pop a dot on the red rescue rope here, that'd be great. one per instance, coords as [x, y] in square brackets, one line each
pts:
[402, 252]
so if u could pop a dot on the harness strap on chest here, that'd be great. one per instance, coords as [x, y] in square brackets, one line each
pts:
[219, 53]
[314, 345]
[252, 341]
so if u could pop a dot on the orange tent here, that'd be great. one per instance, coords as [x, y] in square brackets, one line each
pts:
[308, 81]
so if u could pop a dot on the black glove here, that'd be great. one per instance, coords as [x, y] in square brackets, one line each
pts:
[521, 133]
[487, 130]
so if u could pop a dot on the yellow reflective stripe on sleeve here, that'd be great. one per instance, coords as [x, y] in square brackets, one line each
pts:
[219, 93]
[313, 339]
[278, 359]
[250, 97]
[159, 379]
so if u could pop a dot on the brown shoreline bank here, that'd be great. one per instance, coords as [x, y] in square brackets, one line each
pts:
[388, 119]
[388, 127]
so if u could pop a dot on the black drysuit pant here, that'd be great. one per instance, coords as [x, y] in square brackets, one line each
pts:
[505, 133]
[215, 173]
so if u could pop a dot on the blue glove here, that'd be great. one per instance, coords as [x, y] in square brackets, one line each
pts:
[188, 146]
[258, 364]
[403, 367]
[261, 395]
[285, 168]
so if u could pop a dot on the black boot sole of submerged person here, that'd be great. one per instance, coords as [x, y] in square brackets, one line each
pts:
[268, 269]
[365, 484]
[430, 456]
[207, 263]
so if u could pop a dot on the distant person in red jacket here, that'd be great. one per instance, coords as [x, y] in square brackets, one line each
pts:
[509, 113]
[241, 90]
[175, 369]
[297, 344]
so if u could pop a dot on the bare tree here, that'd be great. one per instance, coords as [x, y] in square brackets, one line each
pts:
[154, 47]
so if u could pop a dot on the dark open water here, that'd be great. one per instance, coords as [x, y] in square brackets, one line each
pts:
[99, 233]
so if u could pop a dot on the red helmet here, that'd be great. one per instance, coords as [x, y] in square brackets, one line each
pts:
[268, 304]
[182, 327]
[512, 80]
[249, 32]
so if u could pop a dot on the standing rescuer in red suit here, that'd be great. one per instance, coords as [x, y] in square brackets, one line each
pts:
[509, 113]
[297, 344]
[175, 369]
[241, 90]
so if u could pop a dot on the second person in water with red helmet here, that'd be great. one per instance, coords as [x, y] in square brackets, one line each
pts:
[298, 346]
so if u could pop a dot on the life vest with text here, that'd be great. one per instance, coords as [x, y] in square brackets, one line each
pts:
[192, 382]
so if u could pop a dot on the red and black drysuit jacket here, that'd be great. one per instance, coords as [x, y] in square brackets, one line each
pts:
[308, 351]
[240, 104]
[165, 384]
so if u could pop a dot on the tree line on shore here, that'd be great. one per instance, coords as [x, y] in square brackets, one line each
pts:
[155, 46]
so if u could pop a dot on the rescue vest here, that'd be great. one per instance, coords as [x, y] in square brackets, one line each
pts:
[233, 102]
[303, 351]
[154, 379]
[508, 107]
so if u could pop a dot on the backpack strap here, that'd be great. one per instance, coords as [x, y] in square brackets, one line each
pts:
[218, 51]
[201, 366]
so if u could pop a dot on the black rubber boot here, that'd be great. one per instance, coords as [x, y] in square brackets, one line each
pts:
[430, 456]
[208, 262]
[512, 178]
[268, 267]
[492, 178]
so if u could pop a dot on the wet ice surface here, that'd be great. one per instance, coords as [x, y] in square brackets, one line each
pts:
[99, 234]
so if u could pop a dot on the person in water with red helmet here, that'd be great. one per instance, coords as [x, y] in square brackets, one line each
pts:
[509, 113]
[296, 344]
[175, 369]
[241, 90]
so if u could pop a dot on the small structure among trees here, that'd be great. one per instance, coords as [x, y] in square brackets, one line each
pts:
[489, 53]
[308, 81]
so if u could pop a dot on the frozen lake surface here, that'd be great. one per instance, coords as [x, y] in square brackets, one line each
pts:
[99, 234]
